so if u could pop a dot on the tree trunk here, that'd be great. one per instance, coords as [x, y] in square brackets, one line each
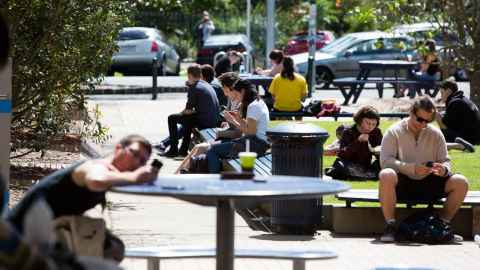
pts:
[475, 87]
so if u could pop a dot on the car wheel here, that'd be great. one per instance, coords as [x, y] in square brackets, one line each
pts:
[323, 77]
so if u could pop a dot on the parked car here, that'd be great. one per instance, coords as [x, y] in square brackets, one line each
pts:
[138, 46]
[443, 39]
[223, 43]
[299, 42]
[340, 58]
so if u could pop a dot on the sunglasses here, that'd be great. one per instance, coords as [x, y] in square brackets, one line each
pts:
[422, 120]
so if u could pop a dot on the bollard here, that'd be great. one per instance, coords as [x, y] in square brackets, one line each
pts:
[5, 118]
[297, 149]
[155, 66]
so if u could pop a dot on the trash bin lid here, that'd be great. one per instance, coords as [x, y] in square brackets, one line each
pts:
[297, 129]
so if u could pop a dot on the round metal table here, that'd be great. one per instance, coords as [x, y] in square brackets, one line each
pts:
[211, 190]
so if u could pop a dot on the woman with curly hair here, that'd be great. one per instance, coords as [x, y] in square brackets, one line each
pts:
[357, 147]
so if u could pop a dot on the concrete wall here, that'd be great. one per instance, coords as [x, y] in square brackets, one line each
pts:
[5, 116]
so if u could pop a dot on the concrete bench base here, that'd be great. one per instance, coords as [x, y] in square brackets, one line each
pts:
[466, 221]
[154, 255]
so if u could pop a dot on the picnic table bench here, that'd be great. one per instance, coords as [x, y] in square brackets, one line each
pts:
[371, 195]
[263, 165]
[352, 87]
[154, 255]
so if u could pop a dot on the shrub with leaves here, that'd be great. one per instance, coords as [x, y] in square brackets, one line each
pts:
[58, 48]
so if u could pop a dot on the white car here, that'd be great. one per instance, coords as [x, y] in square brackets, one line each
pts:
[138, 46]
[340, 58]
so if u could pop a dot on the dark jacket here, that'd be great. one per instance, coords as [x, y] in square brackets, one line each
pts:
[353, 150]
[223, 66]
[203, 100]
[463, 117]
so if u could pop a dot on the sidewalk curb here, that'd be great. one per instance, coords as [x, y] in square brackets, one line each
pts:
[135, 90]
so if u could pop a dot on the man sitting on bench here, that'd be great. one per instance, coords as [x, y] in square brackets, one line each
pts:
[416, 167]
[201, 111]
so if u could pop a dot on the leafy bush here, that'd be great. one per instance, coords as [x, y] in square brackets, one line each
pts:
[59, 46]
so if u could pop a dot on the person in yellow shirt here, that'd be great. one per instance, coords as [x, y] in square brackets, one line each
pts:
[288, 88]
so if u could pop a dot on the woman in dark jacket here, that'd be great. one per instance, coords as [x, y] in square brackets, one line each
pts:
[357, 147]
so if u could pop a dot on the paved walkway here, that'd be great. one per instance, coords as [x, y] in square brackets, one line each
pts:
[147, 221]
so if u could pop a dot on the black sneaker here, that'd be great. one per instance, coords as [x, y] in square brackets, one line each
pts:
[160, 147]
[389, 234]
[466, 145]
[171, 153]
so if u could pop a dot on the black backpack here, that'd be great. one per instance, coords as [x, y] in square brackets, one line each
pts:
[424, 227]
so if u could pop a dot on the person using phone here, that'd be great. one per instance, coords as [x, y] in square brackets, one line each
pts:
[251, 120]
[82, 186]
[407, 148]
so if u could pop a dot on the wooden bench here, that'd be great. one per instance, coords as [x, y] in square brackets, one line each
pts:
[263, 165]
[154, 255]
[371, 195]
[356, 86]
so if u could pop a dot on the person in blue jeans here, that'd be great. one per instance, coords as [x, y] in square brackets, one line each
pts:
[252, 120]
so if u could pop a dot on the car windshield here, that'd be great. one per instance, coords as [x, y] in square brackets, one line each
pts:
[339, 45]
[132, 35]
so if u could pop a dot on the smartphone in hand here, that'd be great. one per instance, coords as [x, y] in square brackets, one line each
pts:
[157, 164]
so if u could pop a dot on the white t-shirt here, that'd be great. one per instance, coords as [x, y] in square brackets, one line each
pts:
[258, 111]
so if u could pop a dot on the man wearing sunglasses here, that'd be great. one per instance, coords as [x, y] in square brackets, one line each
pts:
[82, 186]
[460, 123]
[416, 167]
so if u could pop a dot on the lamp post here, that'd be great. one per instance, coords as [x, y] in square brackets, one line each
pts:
[312, 33]
[270, 28]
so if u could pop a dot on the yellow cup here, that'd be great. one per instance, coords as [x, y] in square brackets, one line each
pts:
[247, 160]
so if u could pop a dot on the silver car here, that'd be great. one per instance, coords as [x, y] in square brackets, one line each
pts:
[340, 58]
[138, 46]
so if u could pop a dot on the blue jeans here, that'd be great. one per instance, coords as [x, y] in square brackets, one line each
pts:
[215, 155]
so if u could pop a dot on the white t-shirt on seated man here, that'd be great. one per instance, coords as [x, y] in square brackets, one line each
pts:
[258, 111]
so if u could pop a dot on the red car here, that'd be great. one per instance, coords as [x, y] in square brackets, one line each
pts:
[299, 42]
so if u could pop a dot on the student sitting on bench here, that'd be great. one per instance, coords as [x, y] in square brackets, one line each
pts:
[354, 157]
[416, 167]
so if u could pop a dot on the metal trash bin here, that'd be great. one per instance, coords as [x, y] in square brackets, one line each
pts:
[297, 149]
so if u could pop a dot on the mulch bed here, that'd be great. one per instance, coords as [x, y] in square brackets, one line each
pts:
[28, 169]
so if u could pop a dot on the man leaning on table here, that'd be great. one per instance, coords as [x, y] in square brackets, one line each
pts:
[82, 186]
[415, 166]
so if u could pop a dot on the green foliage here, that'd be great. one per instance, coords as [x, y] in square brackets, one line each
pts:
[460, 17]
[58, 46]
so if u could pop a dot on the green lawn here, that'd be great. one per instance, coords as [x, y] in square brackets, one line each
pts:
[462, 162]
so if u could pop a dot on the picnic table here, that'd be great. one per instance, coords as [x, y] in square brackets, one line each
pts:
[224, 194]
[395, 72]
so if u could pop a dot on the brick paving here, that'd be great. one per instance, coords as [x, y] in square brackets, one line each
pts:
[160, 221]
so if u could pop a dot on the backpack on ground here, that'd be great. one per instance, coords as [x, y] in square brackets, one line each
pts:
[424, 227]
